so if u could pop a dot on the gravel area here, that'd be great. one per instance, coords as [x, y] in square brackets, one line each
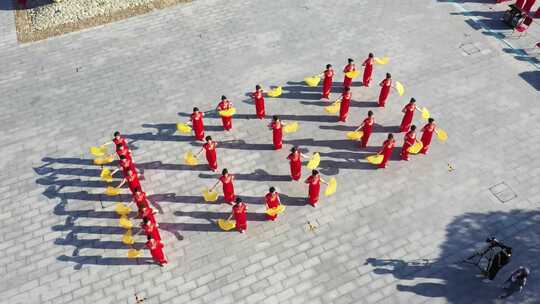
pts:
[69, 11]
[46, 18]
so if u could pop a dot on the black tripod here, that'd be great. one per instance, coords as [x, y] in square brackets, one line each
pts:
[477, 257]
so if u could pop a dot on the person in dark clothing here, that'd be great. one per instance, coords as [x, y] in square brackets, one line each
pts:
[515, 282]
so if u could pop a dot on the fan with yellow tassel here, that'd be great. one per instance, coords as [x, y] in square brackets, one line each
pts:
[416, 147]
[210, 196]
[226, 224]
[355, 135]
[190, 159]
[112, 191]
[275, 211]
[128, 238]
[104, 160]
[312, 81]
[352, 74]
[400, 88]
[275, 92]
[375, 159]
[105, 175]
[314, 161]
[291, 127]
[382, 60]
[333, 108]
[183, 127]
[98, 151]
[331, 188]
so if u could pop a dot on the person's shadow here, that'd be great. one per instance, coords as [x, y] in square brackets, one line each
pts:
[459, 282]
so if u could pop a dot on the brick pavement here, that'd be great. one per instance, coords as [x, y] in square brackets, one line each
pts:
[391, 236]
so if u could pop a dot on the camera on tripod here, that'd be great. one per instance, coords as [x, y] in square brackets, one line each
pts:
[496, 255]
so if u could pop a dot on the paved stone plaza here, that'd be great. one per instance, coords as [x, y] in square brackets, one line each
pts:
[387, 236]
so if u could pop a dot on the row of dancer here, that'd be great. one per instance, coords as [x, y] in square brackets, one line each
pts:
[272, 199]
[149, 224]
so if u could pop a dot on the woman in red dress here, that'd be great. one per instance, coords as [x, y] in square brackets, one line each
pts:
[408, 141]
[385, 85]
[150, 228]
[118, 139]
[139, 198]
[156, 250]
[258, 97]
[427, 134]
[226, 180]
[240, 215]
[225, 104]
[131, 178]
[277, 132]
[347, 82]
[408, 117]
[368, 70]
[123, 150]
[314, 181]
[386, 151]
[367, 128]
[327, 83]
[147, 212]
[295, 162]
[197, 123]
[211, 157]
[344, 104]
[272, 201]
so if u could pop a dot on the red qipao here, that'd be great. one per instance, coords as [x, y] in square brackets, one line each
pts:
[211, 157]
[226, 121]
[344, 105]
[295, 162]
[386, 85]
[367, 128]
[133, 181]
[156, 250]
[125, 152]
[327, 83]
[240, 216]
[272, 201]
[259, 103]
[427, 134]
[409, 140]
[120, 140]
[198, 126]
[228, 188]
[277, 134]
[407, 117]
[148, 213]
[368, 71]
[386, 151]
[314, 189]
[151, 229]
[141, 201]
[347, 82]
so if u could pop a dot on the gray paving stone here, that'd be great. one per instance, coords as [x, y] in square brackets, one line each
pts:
[163, 63]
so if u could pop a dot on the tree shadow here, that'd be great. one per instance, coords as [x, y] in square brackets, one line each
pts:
[519, 229]
[532, 78]
[258, 175]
